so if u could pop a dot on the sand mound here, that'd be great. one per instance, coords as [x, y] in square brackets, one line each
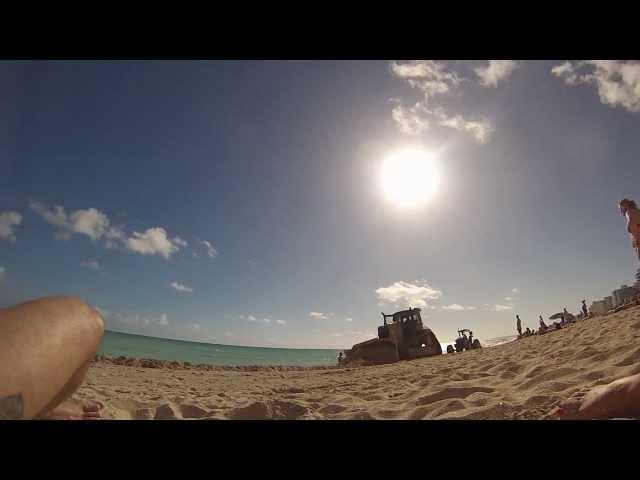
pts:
[524, 379]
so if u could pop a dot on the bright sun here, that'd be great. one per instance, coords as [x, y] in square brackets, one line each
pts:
[409, 178]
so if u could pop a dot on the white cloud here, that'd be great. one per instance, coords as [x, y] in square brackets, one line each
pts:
[93, 265]
[495, 71]
[251, 318]
[153, 241]
[96, 225]
[266, 320]
[433, 79]
[430, 76]
[514, 290]
[566, 72]
[56, 217]
[408, 294]
[481, 130]
[454, 307]
[180, 242]
[241, 317]
[617, 82]
[211, 251]
[508, 299]
[410, 120]
[318, 315]
[281, 322]
[2, 270]
[499, 308]
[348, 319]
[9, 220]
[180, 287]
[90, 222]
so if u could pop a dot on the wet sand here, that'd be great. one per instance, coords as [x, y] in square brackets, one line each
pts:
[523, 379]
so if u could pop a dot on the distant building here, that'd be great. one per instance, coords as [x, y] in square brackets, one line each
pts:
[599, 307]
[622, 294]
[608, 301]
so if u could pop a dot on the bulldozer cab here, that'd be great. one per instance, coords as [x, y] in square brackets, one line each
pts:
[401, 325]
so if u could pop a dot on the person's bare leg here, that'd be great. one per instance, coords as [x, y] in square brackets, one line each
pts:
[45, 346]
[618, 399]
[57, 409]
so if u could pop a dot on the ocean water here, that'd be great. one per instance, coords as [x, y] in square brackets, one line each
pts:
[117, 344]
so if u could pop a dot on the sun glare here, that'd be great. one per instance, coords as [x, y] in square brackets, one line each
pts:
[409, 178]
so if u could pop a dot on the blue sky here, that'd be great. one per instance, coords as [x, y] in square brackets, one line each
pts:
[113, 175]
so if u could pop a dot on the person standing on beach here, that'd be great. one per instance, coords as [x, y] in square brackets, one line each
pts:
[519, 325]
[543, 325]
[629, 209]
[585, 310]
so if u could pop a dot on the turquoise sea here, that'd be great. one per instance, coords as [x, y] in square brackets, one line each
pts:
[115, 344]
[123, 344]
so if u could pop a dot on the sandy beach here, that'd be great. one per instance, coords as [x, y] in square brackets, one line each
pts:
[524, 379]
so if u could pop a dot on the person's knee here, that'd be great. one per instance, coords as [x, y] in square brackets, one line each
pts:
[89, 317]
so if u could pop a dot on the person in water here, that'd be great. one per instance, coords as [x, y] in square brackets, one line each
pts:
[629, 210]
[46, 346]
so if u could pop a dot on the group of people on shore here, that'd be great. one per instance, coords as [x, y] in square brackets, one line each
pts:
[564, 319]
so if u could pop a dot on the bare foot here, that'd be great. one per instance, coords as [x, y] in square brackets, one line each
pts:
[85, 410]
[618, 399]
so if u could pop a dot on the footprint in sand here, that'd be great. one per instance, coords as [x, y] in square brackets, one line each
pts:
[452, 392]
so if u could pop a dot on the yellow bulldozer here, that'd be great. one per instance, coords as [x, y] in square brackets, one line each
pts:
[402, 337]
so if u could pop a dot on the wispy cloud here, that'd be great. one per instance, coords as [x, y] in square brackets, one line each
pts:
[499, 308]
[408, 294]
[508, 299]
[495, 71]
[93, 265]
[91, 222]
[180, 287]
[281, 322]
[514, 290]
[211, 251]
[318, 315]
[251, 318]
[412, 120]
[96, 225]
[617, 82]
[180, 242]
[8, 222]
[434, 79]
[266, 320]
[348, 319]
[455, 307]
